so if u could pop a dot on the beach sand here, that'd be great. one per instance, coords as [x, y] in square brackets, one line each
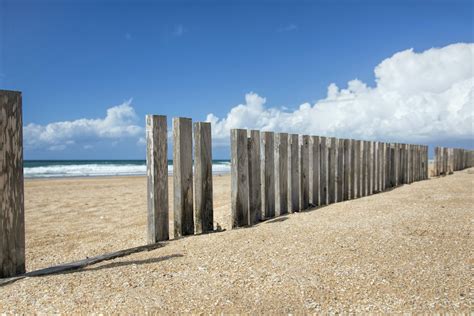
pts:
[405, 250]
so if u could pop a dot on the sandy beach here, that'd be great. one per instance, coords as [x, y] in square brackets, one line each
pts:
[406, 250]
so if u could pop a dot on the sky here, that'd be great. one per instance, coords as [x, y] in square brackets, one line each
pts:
[90, 71]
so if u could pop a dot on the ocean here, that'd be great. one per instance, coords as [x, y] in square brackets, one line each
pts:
[93, 168]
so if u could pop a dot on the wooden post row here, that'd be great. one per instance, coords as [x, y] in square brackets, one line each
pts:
[12, 212]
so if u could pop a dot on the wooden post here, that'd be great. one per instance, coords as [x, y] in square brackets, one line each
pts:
[281, 173]
[183, 176]
[304, 171]
[323, 171]
[375, 167]
[354, 168]
[12, 211]
[380, 165]
[314, 170]
[370, 157]
[347, 169]
[157, 178]
[293, 174]
[340, 170]
[255, 193]
[203, 212]
[268, 174]
[332, 161]
[384, 167]
[364, 171]
[239, 177]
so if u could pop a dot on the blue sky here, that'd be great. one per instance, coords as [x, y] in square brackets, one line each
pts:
[76, 59]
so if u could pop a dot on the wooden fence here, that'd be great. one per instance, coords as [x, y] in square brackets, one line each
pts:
[298, 172]
[448, 160]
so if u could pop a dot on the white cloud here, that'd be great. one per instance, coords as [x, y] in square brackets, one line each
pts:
[288, 28]
[418, 97]
[119, 122]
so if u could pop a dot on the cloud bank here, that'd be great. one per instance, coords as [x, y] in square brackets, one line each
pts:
[119, 122]
[418, 97]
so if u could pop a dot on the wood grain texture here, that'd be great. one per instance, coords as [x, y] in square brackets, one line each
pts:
[354, 169]
[293, 174]
[304, 171]
[347, 169]
[281, 173]
[268, 174]
[365, 167]
[255, 187]
[183, 177]
[239, 178]
[323, 171]
[332, 163]
[370, 170]
[314, 165]
[157, 178]
[203, 201]
[12, 211]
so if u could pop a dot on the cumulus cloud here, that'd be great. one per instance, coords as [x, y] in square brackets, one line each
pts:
[418, 97]
[119, 122]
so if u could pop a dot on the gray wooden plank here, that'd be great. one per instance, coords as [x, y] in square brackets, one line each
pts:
[281, 173]
[332, 163]
[255, 188]
[12, 211]
[203, 201]
[239, 178]
[323, 171]
[314, 170]
[157, 178]
[370, 171]
[183, 177]
[340, 170]
[354, 168]
[304, 171]
[293, 174]
[364, 169]
[268, 174]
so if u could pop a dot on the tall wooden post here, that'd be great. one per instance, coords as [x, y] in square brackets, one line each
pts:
[255, 188]
[281, 173]
[376, 167]
[340, 170]
[304, 171]
[293, 174]
[314, 170]
[347, 169]
[354, 168]
[268, 174]
[365, 165]
[370, 158]
[332, 161]
[239, 177]
[323, 171]
[183, 176]
[203, 212]
[157, 178]
[12, 212]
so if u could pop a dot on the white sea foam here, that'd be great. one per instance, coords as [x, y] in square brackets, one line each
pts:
[93, 170]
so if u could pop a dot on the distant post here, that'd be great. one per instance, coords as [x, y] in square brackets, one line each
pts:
[255, 188]
[281, 173]
[157, 178]
[183, 176]
[293, 174]
[304, 172]
[323, 171]
[332, 161]
[347, 169]
[268, 174]
[239, 177]
[314, 170]
[354, 168]
[203, 213]
[12, 212]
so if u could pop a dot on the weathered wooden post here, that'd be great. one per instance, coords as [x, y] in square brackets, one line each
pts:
[384, 166]
[304, 171]
[379, 166]
[293, 174]
[239, 177]
[340, 170]
[332, 162]
[354, 167]
[281, 173]
[268, 174]
[323, 171]
[370, 157]
[183, 176]
[314, 170]
[12, 211]
[357, 169]
[347, 169]
[254, 173]
[376, 167]
[365, 162]
[157, 178]
[203, 206]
